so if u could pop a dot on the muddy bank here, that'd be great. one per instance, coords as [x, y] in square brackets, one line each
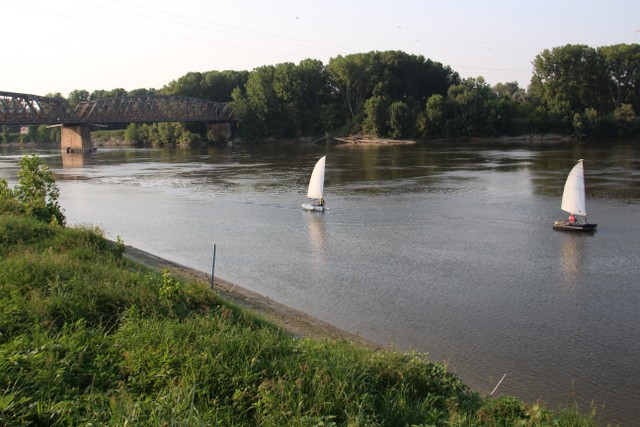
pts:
[293, 321]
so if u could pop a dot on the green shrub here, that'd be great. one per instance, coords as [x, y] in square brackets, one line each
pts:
[36, 193]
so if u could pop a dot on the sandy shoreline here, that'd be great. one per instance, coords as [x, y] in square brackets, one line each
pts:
[291, 320]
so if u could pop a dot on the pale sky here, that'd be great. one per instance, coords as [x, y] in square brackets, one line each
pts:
[62, 45]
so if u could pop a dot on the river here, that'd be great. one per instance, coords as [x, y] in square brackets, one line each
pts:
[440, 248]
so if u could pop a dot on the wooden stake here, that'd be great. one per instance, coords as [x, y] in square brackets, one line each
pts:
[213, 265]
[498, 385]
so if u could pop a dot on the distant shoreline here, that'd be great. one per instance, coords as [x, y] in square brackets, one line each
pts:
[535, 139]
[352, 140]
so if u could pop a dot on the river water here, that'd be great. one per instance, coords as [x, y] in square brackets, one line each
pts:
[445, 249]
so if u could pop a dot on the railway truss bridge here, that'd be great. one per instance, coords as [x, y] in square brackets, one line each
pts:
[23, 109]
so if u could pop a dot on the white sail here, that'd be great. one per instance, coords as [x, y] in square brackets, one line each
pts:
[573, 198]
[316, 183]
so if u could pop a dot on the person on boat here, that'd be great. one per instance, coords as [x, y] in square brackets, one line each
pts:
[321, 202]
[572, 219]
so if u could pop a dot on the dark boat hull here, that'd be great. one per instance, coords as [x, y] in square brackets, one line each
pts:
[566, 226]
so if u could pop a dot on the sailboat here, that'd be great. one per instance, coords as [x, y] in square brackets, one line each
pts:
[574, 202]
[316, 186]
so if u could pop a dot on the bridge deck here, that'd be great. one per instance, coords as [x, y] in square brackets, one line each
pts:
[23, 109]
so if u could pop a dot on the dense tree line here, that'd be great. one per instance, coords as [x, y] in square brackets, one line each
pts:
[575, 90]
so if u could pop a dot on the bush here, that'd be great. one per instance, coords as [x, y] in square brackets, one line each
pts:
[36, 193]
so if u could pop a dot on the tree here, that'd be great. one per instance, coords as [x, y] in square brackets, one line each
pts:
[314, 84]
[411, 78]
[575, 74]
[622, 63]
[36, 193]
[284, 100]
[472, 101]
[352, 78]
[288, 89]
[432, 122]
[510, 91]
[212, 85]
[401, 120]
[259, 110]
[393, 74]
[54, 95]
[113, 93]
[78, 96]
[626, 121]
[554, 116]
[142, 92]
[132, 134]
[376, 112]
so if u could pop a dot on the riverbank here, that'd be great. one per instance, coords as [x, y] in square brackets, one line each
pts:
[89, 336]
[293, 321]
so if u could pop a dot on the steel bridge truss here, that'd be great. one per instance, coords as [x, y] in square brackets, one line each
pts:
[16, 109]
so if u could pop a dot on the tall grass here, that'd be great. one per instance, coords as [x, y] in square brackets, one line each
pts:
[90, 338]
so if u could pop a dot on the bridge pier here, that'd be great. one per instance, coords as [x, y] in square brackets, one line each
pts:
[224, 129]
[75, 139]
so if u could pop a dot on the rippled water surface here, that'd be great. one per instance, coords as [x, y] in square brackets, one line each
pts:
[442, 249]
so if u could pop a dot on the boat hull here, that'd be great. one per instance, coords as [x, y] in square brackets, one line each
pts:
[312, 207]
[566, 226]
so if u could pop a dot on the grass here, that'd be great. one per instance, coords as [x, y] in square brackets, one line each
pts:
[88, 337]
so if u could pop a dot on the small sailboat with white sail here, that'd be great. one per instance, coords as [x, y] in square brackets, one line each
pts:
[574, 202]
[316, 188]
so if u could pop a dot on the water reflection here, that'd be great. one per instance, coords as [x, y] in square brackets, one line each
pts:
[572, 255]
[72, 161]
[317, 233]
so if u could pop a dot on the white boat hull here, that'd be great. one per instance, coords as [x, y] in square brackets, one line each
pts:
[312, 207]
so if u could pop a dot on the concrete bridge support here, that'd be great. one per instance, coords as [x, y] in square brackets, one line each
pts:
[224, 129]
[75, 139]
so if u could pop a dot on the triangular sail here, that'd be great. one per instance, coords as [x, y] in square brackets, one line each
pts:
[316, 183]
[573, 197]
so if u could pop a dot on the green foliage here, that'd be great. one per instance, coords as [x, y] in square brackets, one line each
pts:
[132, 134]
[572, 82]
[622, 63]
[284, 101]
[78, 96]
[575, 74]
[212, 85]
[36, 193]
[471, 108]
[106, 135]
[401, 120]
[432, 123]
[6, 197]
[392, 74]
[159, 134]
[376, 110]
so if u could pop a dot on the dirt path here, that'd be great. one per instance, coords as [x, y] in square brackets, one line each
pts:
[293, 321]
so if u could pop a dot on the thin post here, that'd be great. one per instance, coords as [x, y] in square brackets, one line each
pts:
[498, 385]
[213, 265]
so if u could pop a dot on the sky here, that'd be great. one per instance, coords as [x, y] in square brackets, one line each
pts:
[65, 45]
